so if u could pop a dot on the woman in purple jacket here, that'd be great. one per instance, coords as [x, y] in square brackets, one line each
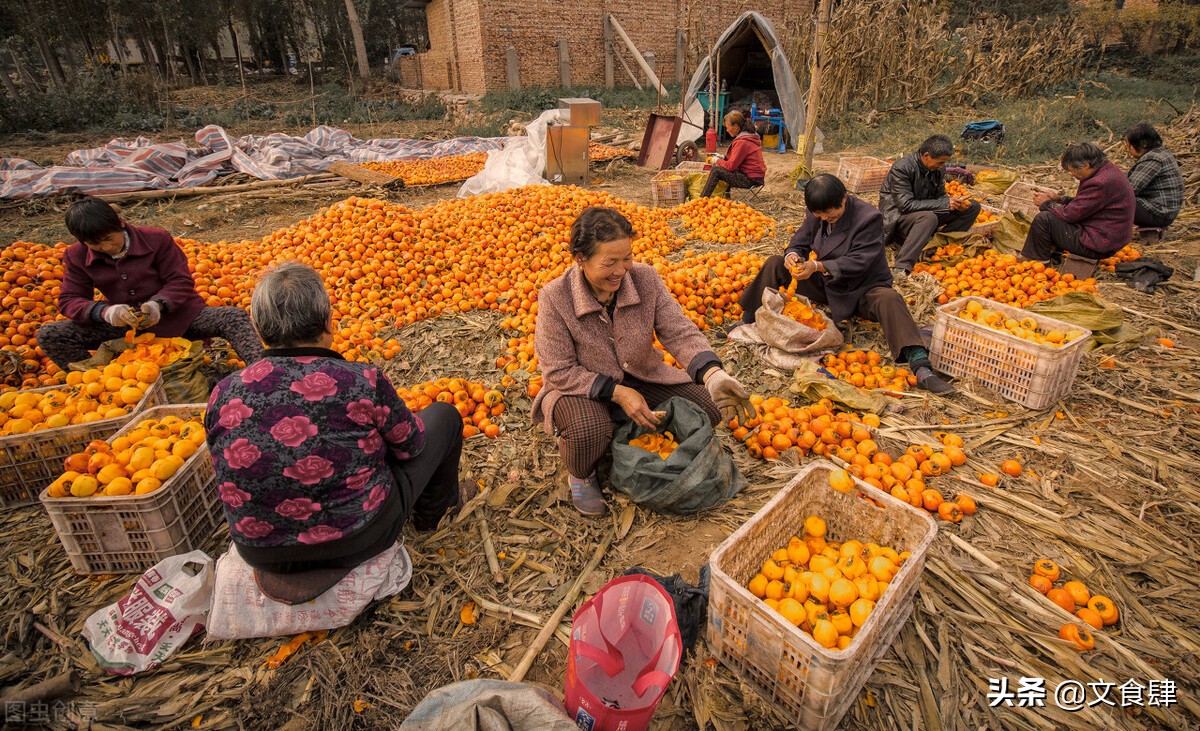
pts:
[145, 282]
[1094, 223]
[594, 341]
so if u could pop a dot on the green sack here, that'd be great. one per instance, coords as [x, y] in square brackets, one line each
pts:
[697, 475]
[1086, 309]
[183, 380]
[695, 185]
[994, 182]
[1009, 236]
[810, 383]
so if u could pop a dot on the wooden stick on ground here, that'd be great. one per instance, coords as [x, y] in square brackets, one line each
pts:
[489, 548]
[567, 603]
[56, 687]
[1162, 320]
[211, 189]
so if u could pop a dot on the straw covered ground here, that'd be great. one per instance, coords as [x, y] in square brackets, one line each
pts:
[1109, 492]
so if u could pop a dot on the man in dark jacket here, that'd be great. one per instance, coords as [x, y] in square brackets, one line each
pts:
[849, 274]
[1096, 222]
[915, 205]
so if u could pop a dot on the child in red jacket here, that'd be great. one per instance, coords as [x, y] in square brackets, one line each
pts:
[744, 167]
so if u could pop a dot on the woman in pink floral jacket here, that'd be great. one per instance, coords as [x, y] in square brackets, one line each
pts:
[319, 462]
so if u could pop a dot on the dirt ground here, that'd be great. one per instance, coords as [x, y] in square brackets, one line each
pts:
[1110, 493]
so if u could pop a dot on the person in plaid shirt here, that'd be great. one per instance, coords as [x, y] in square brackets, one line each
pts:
[1155, 177]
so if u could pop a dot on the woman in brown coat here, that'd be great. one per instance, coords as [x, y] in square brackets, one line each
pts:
[595, 346]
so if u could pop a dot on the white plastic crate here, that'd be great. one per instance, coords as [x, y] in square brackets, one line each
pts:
[863, 174]
[813, 685]
[131, 533]
[1031, 374]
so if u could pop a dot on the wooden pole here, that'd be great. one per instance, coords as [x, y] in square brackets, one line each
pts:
[564, 64]
[637, 56]
[609, 69]
[824, 12]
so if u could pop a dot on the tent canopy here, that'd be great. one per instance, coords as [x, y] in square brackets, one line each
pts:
[748, 54]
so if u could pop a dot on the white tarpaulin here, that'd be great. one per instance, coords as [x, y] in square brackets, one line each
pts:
[753, 31]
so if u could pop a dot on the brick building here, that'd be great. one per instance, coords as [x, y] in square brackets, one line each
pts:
[470, 40]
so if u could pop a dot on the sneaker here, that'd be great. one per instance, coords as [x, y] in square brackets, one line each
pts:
[586, 495]
[929, 381]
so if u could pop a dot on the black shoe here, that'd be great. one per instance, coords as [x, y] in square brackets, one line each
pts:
[929, 381]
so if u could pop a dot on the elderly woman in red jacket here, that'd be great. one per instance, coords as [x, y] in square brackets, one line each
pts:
[744, 167]
[595, 346]
[1094, 223]
[145, 283]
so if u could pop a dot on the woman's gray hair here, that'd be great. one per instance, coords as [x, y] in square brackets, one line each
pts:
[290, 306]
[1082, 154]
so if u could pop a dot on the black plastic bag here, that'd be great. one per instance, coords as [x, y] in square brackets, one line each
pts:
[697, 475]
[691, 603]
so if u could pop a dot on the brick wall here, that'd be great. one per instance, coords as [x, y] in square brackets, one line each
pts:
[483, 29]
[453, 60]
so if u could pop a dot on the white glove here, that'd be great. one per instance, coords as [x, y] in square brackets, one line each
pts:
[151, 313]
[119, 316]
[730, 396]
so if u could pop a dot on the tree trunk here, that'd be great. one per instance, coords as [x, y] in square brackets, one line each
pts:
[824, 11]
[167, 47]
[237, 51]
[360, 46]
[50, 60]
[118, 42]
[9, 85]
[189, 60]
[25, 73]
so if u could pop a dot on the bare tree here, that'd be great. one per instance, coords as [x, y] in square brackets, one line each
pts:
[360, 45]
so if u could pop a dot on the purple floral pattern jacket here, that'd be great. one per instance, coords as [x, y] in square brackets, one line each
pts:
[299, 443]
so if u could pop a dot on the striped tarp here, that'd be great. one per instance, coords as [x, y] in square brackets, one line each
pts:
[124, 165]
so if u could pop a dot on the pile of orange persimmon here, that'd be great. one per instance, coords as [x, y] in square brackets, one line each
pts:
[432, 171]
[866, 369]
[826, 588]
[475, 402]
[846, 437]
[723, 221]
[1128, 253]
[30, 282]
[1093, 610]
[600, 152]
[387, 265]
[1000, 277]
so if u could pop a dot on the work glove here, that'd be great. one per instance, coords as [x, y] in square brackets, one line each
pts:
[151, 313]
[119, 316]
[730, 396]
